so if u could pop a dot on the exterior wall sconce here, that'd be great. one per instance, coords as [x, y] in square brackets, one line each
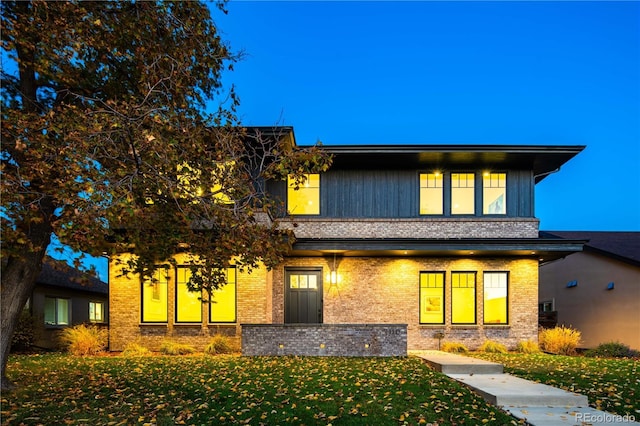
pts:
[334, 277]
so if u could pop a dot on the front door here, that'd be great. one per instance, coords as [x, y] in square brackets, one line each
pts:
[303, 295]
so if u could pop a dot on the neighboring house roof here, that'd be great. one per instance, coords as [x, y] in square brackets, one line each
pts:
[58, 274]
[622, 246]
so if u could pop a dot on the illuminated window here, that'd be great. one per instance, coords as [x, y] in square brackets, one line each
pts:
[96, 311]
[462, 193]
[431, 198]
[154, 297]
[495, 297]
[431, 297]
[190, 182]
[188, 303]
[223, 306]
[463, 297]
[305, 199]
[494, 193]
[56, 311]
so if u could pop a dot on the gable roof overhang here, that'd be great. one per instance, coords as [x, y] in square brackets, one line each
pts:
[541, 159]
[544, 250]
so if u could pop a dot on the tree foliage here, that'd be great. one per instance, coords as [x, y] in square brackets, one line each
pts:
[109, 141]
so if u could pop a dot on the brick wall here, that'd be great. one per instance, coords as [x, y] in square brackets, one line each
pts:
[482, 227]
[125, 319]
[386, 290]
[325, 339]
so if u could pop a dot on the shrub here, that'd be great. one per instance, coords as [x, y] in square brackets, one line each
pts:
[493, 347]
[612, 350]
[134, 349]
[172, 348]
[454, 347]
[527, 347]
[221, 344]
[83, 340]
[559, 340]
[24, 334]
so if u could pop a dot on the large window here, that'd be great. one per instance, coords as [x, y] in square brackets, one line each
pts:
[96, 311]
[305, 198]
[223, 306]
[431, 193]
[56, 311]
[463, 297]
[462, 193]
[431, 297]
[188, 303]
[154, 297]
[495, 297]
[494, 193]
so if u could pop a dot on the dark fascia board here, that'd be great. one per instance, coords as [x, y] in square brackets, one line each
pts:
[544, 249]
[541, 159]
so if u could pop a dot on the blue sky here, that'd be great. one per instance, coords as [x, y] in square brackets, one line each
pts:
[565, 73]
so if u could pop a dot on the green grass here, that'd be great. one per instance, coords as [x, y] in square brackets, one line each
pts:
[611, 385]
[60, 389]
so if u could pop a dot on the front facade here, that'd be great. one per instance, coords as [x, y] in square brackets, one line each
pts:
[440, 240]
[596, 291]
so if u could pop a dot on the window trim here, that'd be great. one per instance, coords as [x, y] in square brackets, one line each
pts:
[508, 276]
[444, 297]
[475, 298]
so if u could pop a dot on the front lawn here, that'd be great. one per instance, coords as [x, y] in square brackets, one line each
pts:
[60, 389]
[611, 385]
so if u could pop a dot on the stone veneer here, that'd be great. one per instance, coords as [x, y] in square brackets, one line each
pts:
[427, 228]
[324, 339]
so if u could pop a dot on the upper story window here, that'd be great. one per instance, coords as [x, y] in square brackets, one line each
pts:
[304, 199]
[494, 193]
[462, 193]
[56, 311]
[431, 193]
[154, 297]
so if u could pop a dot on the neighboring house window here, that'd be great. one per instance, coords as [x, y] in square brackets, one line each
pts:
[305, 199]
[96, 311]
[463, 297]
[431, 193]
[495, 297]
[188, 303]
[494, 193]
[462, 193]
[223, 306]
[56, 311]
[546, 306]
[431, 297]
[155, 296]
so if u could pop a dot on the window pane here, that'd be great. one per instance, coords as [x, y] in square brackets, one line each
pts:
[154, 298]
[188, 303]
[223, 308]
[306, 198]
[495, 297]
[431, 198]
[432, 298]
[463, 298]
[462, 193]
[494, 193]
[49, 310]
[95, 311]
[62, 313]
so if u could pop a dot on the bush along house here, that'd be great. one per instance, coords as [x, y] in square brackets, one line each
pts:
[397, 247]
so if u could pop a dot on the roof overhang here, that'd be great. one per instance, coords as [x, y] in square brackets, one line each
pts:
[541, 159]
[544, 250]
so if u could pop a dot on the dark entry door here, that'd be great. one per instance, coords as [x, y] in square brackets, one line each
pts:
[303, 296]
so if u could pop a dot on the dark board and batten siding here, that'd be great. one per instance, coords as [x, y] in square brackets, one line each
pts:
[395, 193]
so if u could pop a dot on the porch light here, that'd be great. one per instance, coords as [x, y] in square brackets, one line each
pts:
[334, 277]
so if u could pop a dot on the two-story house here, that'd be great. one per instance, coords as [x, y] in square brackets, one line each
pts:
[426, 242]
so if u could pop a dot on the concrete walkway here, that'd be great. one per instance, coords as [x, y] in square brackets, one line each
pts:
[536, 403]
